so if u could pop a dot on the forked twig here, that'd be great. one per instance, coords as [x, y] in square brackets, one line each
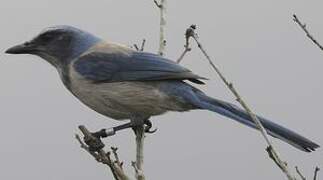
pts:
[142, 47]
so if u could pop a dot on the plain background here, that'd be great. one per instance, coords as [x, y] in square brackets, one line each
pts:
[266, 55]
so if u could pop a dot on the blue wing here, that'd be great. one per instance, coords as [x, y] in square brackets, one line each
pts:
[136, 66]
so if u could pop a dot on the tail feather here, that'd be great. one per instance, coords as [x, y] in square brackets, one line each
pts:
[273, 129]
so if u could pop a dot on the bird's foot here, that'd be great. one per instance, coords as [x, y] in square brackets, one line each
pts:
[148, 127]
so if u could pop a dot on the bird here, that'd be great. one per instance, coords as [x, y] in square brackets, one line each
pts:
[124, 84]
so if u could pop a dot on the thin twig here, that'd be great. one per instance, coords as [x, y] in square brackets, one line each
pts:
[303, 26]
[299, 173]
[271, 150]
[273, 157]
[317, 169]
[188, 33]
[162, 27]
[116, 157]
[157, 4]
[143, 45]
[117, 171]
[136, 47]
[134, 165]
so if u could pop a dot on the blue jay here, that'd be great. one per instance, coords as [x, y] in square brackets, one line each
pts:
[125, 84]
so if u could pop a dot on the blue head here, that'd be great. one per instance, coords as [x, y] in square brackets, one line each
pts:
[57, 45]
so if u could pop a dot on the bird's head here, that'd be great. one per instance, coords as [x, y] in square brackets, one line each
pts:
[57, 44]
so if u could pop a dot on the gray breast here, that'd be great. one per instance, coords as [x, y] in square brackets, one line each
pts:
[123, 100]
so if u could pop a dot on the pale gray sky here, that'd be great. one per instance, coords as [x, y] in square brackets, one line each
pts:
[258, 46]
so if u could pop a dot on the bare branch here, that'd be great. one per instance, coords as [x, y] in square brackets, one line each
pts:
[317, 169]
[101, 156]
[303, 26]
[299, 173]
[272, 152]
[162, 40]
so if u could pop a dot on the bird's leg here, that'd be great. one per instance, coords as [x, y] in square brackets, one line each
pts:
[103, 133]
[97, 144]
[94, 141]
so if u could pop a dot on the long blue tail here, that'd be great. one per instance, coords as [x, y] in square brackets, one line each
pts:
[202, 101]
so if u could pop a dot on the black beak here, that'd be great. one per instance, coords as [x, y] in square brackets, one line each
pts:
[25, 48]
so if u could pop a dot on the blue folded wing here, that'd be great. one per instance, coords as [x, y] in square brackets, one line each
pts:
[136, 66]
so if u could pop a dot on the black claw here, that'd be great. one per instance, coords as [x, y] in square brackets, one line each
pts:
[147, 130]
[148, 127]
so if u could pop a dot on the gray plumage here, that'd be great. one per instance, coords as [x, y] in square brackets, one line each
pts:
[121, 83]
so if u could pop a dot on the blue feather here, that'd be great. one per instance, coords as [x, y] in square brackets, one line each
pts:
[138, 66]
